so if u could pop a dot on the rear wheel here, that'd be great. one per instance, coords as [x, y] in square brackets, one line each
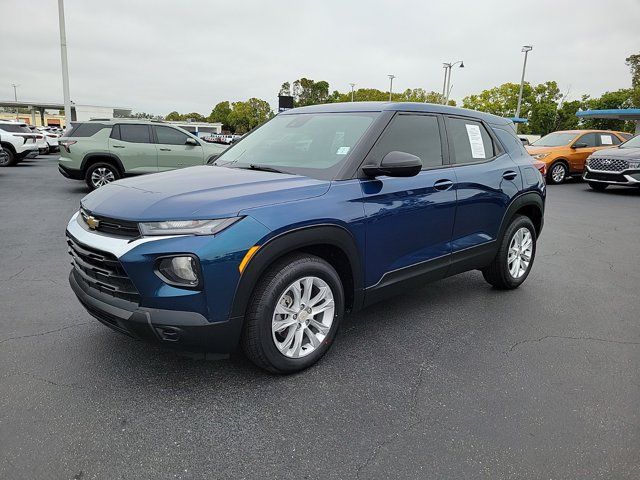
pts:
[8, 159]
[558, 173]
[293, 315]
[514, 259]
[100, 174]
[597, 186]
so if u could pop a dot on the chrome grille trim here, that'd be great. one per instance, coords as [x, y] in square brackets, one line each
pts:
[607, 165]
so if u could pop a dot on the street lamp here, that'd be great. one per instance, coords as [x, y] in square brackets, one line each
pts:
[446, 87]
[352, 86]
[65, 68]
[15, 97]
[526, 49]
[391, 77]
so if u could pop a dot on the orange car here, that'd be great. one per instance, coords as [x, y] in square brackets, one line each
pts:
[565, 152]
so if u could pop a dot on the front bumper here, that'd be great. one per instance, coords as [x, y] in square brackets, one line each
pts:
[178, 329]
[629, 178]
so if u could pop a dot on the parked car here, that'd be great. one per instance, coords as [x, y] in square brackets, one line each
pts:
[565, 152]
[100, 152]
[3, 154]
[17, 141]
[41, 142]
[615, 166]
[51, 138]
[274, 242]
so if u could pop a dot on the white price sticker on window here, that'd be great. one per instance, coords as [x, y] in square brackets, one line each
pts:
[475, 140]
[606, 140]
[343, 150]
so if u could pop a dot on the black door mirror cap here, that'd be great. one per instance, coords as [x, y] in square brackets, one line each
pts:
[579, 145]
[395, 164]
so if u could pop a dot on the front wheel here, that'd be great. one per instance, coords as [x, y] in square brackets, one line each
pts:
[293, 314]
[597, 186]
[101, 173]
[515, 256]
[558, 173]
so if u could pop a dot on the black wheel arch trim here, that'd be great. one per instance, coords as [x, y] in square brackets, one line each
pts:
[523, 200]
[8, 146]
[292, 240]
[89, 157]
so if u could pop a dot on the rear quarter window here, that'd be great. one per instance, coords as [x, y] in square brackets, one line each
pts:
[88, 129]
[510, 142]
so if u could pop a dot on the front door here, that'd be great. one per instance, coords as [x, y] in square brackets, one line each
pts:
[132, 144]
[409, 220]
[581, 148]
[173, 150]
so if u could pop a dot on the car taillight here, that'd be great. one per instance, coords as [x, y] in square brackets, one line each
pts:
[541, 166]
[67, 143]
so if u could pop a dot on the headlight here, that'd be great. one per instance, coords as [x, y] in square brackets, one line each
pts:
[634, 164]
[540, 156]
[186, 227]
[179, 271]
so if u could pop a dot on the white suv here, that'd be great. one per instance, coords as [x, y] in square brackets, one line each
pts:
[18, 142]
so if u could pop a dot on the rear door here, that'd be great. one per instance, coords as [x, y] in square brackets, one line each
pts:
[133, 145]
[173, 151]
[488, 179]
[409, 220]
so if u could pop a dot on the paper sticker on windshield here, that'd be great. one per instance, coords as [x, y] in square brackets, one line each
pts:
[606, 140]
[475, 140]
[343, 150]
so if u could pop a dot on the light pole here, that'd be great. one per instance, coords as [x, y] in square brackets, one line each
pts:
[526, 49]
[352, 86]
[446, 89]
[391, 77]
[15, 97]
[65, 67]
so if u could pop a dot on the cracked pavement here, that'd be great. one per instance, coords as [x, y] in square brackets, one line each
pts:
[454, 380]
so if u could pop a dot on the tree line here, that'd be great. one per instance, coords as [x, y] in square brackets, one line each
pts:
[544, 106]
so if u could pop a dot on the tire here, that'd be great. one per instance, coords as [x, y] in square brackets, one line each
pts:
[274, 291]
[104, 173]
[598, 187]
[499, 273]
[9, 159]
[558, 173]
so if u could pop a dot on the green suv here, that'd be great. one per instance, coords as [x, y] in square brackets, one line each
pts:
[100, 152]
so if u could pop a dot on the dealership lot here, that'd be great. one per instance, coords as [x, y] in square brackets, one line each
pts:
[454, 380]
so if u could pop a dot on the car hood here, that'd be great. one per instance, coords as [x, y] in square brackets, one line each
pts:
[533, 150]
[201, 192]
[621, 153]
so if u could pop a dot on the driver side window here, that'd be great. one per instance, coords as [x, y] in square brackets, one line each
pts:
[589, 139]
[170, 136]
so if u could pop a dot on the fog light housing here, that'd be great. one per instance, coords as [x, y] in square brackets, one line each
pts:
[179, 271]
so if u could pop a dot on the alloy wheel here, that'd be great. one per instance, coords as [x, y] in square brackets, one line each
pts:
[519, 253]
[558, 173]
[101, 176]
[303, 317]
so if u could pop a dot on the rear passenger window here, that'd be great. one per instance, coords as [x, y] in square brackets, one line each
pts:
[469, 140]
[415, 134]
[608, 139]
[134, 133]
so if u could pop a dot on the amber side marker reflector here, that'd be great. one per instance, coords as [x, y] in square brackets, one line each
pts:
[247, 257]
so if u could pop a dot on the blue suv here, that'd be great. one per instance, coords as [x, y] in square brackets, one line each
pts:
[320, 211]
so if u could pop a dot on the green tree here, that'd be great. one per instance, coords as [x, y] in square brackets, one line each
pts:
[501, 100]
[220, 113]
[609, 100]
[566, 115]
[308, 92]
[173, 117]
[247, 115]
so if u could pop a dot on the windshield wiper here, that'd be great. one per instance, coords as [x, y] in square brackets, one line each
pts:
[262, 168]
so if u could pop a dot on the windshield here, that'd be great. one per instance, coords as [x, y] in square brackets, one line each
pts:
[633, 143]
[315, 145]
[557, 139]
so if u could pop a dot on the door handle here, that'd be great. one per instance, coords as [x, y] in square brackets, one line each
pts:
[444, 184]
[509, 175]
[118, 146]
[165, 149]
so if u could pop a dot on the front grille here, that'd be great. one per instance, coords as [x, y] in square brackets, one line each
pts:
[101, 270]
[112, 226]
[608, 164]
[606, 177]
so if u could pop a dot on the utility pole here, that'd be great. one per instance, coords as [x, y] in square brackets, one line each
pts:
[352, 86]
[391, 77]
[446, 67]
[447, 77]
[526, 49]
[65, 67]
[15, 97]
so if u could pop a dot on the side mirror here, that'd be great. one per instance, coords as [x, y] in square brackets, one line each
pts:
[395, 164]
[191, 141]
[579, 145]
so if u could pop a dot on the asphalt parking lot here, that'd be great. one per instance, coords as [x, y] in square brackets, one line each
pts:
[454, 380]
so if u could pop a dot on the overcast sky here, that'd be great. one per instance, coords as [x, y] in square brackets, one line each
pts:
[157, 56]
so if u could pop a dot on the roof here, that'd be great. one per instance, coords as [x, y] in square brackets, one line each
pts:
[586, 130]
[396, 106]
[616, 113]
[51, 105]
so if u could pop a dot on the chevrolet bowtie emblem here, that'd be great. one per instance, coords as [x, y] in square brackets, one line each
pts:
[93, 222]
